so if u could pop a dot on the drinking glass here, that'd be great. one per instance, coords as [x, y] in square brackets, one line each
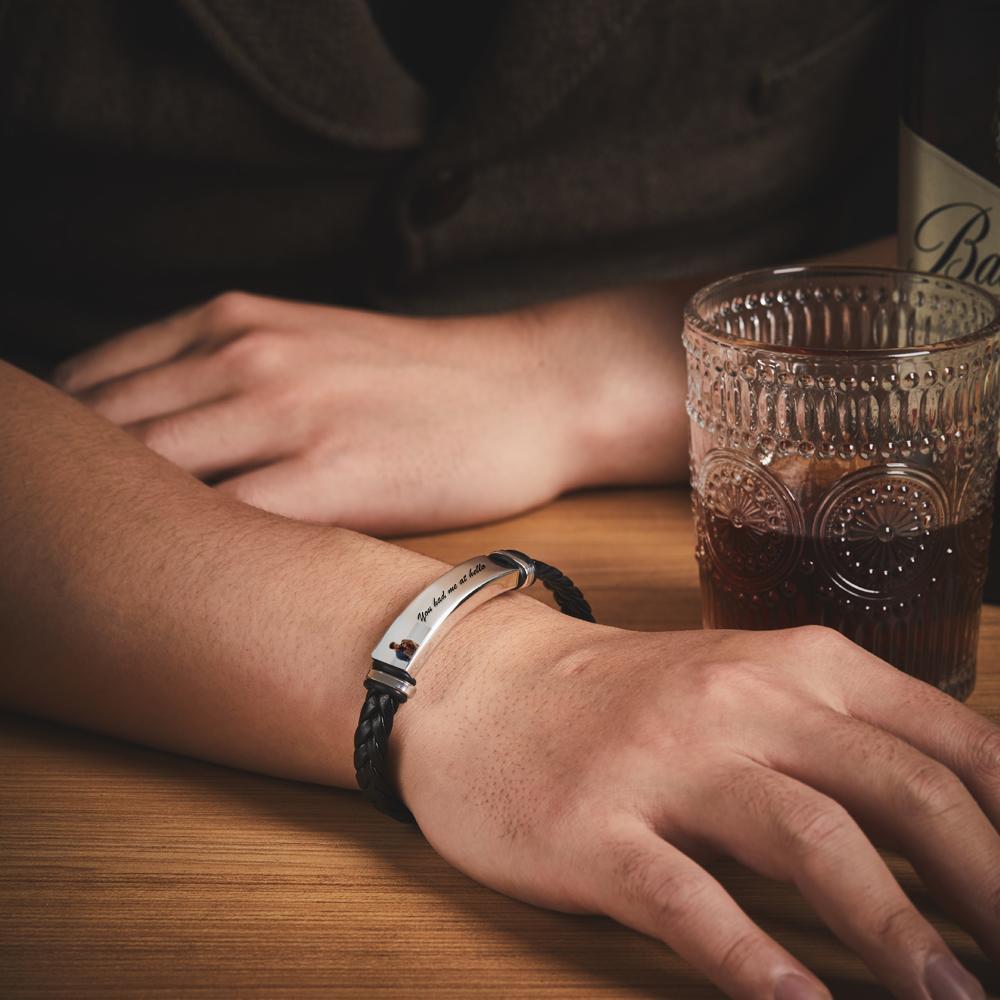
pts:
[843, 450]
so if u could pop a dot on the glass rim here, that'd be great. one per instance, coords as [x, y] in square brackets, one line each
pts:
[693, 318]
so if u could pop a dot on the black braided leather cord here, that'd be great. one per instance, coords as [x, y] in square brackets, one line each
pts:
[371, 739]
[568, 595]
[371, 742]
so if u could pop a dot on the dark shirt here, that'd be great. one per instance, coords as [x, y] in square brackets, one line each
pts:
[438, 42]
[157, 153]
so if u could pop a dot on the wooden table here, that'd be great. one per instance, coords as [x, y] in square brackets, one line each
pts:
[129, 872]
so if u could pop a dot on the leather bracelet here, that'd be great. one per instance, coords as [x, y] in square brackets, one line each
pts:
[398, 656]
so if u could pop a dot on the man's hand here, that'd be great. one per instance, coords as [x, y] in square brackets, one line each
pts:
[589, 769]
[576, 766]
[388, 424]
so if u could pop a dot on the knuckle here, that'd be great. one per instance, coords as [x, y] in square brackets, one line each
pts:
[668, 894]
[819, 637]
[932, 790]
[160, 435]
[150, 435]
[725, 681]
[228, 310]
[238, 491]
[253, 355]
[900, 921]
[102, 399]
[741, 951]
[817, 827]
[985, 753]
[672, 896]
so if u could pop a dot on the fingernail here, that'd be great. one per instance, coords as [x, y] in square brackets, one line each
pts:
[795, 987]
[945, 979]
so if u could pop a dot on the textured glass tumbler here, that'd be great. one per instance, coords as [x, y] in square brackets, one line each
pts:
[843, 452]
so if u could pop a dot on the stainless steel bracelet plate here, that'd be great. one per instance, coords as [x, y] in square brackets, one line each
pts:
[448, 599]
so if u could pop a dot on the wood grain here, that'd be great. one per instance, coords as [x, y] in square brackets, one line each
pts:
[126, 872]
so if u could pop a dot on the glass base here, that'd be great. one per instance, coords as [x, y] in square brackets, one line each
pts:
[961, 684]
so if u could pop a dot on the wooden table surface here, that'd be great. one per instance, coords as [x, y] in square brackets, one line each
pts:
[130, 872]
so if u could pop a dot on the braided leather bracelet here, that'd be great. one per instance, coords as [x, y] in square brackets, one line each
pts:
[396, 659]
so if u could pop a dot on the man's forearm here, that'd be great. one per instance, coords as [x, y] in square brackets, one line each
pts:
[137, 601]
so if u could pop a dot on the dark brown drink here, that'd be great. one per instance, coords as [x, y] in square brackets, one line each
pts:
[906, 592]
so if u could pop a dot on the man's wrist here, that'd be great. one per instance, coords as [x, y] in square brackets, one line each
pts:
[465, 669]
[615, 370]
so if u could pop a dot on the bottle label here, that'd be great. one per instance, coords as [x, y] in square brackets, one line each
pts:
[949, 216]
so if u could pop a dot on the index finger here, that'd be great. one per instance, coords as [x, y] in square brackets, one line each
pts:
[142, 347]
[648, 884]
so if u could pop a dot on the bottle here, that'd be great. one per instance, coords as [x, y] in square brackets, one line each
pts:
[949, 207]
[949, 157]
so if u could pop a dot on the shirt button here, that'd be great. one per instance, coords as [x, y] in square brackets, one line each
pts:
[440, 196]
